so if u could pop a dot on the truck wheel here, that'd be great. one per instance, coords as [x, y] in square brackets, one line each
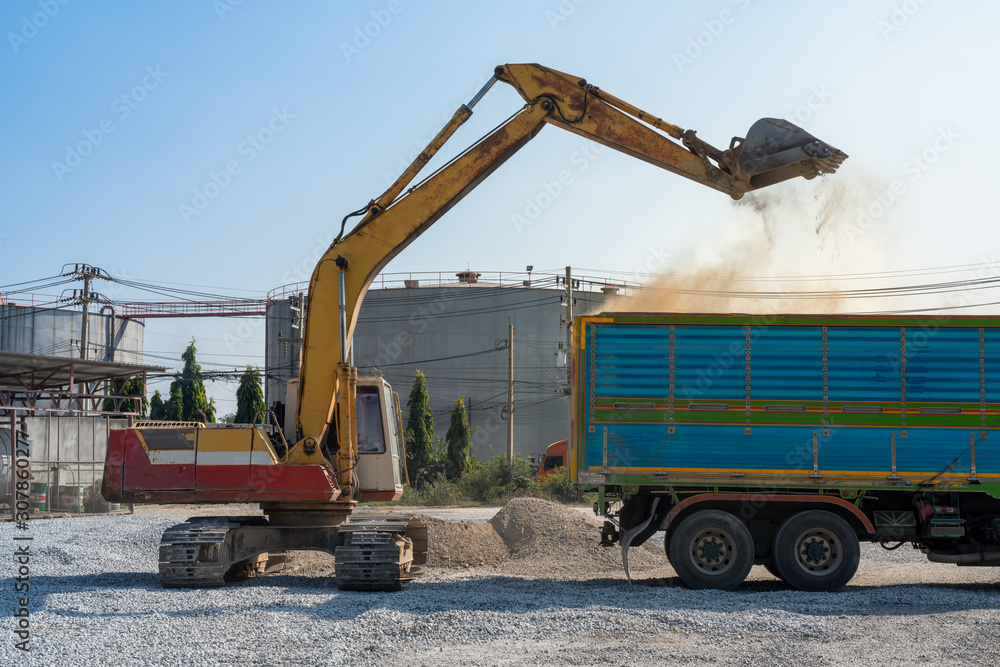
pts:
[816, 551]
[711, 549]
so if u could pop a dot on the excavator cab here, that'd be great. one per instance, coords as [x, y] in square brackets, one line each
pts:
[380, 441]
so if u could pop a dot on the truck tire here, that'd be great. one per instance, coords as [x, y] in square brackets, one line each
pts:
[711, 549]
[816, 551]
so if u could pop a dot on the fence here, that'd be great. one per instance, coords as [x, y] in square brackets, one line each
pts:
[75, 487]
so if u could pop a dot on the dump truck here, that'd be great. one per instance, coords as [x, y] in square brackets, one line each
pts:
[348, 443]
[786, 440]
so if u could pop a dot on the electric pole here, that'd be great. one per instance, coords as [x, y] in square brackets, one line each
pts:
[85, 297]
[510, 393]
[86, 315]
[569, 328]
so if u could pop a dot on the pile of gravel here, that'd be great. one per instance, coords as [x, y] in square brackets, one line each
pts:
[462, 544]
[545, 537]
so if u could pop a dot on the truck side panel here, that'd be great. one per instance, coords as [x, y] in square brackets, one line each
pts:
[815, 400]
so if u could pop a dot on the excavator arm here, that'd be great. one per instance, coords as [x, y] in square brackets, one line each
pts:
[773, 151]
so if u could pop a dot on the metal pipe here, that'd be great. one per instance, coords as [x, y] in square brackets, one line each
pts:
[482, 91]
[462, 114]
[343, 316]
[110, 353]
[510, 393]
[964, 559]
[86, 315]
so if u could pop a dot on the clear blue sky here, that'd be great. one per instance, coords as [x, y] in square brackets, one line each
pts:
[161, 95]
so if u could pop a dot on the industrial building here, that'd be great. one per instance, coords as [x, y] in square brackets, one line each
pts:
[46, 371]
[454, 328]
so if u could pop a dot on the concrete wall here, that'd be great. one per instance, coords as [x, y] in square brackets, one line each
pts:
[74, 444]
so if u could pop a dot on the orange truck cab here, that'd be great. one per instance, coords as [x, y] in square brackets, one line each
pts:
[553, 458]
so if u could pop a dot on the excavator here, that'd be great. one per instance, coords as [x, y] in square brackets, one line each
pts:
[348, 446]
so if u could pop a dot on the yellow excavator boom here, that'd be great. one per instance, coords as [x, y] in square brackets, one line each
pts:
[773, 150]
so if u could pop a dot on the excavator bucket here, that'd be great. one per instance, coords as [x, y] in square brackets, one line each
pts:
[775, 150]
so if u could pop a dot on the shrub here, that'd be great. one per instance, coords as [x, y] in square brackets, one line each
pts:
[496, 480]
[558, 486]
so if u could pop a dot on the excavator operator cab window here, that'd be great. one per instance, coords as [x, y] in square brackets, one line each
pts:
[371, 438]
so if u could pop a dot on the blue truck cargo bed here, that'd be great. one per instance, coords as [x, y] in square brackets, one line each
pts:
[791, 400]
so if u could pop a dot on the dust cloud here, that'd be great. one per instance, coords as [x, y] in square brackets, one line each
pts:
[790, 248]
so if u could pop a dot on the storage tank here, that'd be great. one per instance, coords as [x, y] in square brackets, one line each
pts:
[453, 328]
[56, 332]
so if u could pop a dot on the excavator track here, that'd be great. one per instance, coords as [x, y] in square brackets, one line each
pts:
[382, 553]
[194, 554]
[198, 554]
[375, 553]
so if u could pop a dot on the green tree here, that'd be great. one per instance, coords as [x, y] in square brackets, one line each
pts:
[187, 394]
[419, 434]
[459, 440]
[193, 396]
[157, 408]
[127, 387]
[249, 397]
[175, 404]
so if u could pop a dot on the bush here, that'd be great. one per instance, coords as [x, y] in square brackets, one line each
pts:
[558, 486]
[490, 482]
[497, 480]
[438, 490]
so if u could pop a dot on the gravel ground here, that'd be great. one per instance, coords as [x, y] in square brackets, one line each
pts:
[95, 599]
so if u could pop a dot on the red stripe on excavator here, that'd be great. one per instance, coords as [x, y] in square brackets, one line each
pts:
[133, 478]
[201, 496]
